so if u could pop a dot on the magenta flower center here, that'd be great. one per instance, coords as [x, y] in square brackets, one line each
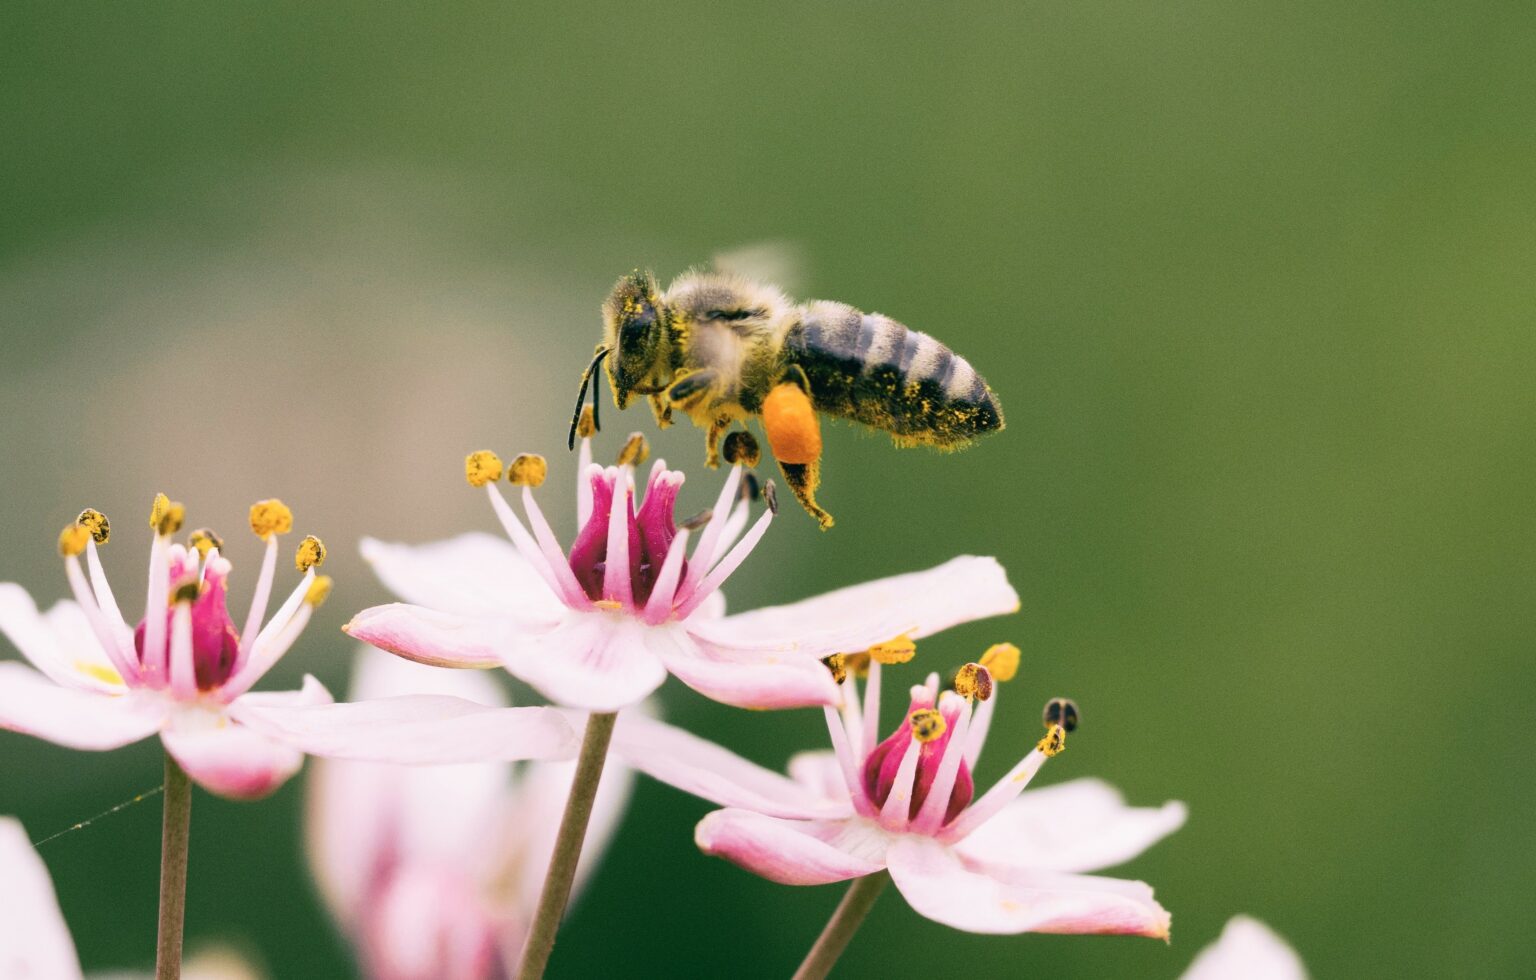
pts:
[215, 642]
[882, 764]
[651, 531]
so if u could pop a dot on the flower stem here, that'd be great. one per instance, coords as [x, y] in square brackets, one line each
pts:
[856, 903]
[175, 832]
[568, 841]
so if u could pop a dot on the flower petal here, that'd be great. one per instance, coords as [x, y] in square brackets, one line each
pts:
[1082, 825]
[593, 661]
[791, 852]
[472, 575]
[34, 941]
[34, 705]
[428, 636]
[226, 758]
[820, 772]
[59, 643]
[976, 897]
[855, 618]
[1249, 949]
[757, 679]
[695, 765]
[413, 729]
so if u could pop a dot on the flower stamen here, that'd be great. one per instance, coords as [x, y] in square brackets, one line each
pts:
[636, 450]
[528, 470]
[310, 554]
[95, 522]
[894, 651]
[482, 467]
[269, 517]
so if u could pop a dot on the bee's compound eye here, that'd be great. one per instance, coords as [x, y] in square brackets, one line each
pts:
[1063, 712]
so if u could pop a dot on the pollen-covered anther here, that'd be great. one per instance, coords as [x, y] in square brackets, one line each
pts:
[697, 521]
[927, 724]
[482, 467]
[771, 495]
[896, 651]
[586, 425]
[751, 488]
[187, 590]
[166, 515]
[1002, 660]
[741, 447]
[95, 522]
[204, 540]
[527, 470]
[269, 517]
[636, 450]
[857, 663]
[1060, 711]
[311, 554]
[319, 590]
[72, 540]
[838, 665]
[973, 681]
[1054, 742]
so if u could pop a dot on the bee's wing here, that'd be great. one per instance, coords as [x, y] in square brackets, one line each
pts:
[780, 263]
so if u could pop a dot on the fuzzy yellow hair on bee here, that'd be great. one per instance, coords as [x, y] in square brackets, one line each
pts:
[721, 348]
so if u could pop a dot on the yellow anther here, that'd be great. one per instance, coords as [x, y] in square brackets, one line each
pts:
[636, 450]
[528, 470]
[95, 522]
[1002, 659]
[482, 467]
[203, 540]
[166, 515]
[311, 554]
[927, 724]
[974, 681]
[187, 590]
[586, 426]
[858, 663]
[897, 651]
[72, 540]
[838, 665]
[319, 590]
[1054, 742]
[741, 447]
[269, 517]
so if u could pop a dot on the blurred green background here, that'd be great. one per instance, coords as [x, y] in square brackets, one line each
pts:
[1253, 281]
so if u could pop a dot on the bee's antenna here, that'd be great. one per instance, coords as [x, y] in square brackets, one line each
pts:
[581, 396]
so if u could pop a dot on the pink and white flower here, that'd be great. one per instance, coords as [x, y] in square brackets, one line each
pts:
[600, 628]
[997, 863]
[433, 873]
[1250, 950]
[186, 673]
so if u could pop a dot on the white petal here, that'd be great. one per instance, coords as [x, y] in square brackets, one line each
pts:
[593, 661]
[1082, 825]
[792, 852]
[855, 618]
[820, 772]
[61, 643]
[34, 705]
[764, 680]
[1250, 950]
[695, 765]
[434, 637]
[34, 941]
[472, 575]
[226, 758]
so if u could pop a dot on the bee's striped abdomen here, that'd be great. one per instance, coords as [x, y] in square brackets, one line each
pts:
[869, 368]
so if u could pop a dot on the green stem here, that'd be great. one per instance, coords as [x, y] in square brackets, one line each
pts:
[568, 841]
[175, 832]
[856, 903]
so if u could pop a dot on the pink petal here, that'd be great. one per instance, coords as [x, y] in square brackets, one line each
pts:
[790, 852]
[595, 661]
[428, 636]
[858, 617]
[1248, 949]
[34, 941]
[429, 924]
[226, 758]
[695, 765]
[413, 729]
[34, 705]
[765, 680]
[820, 772]
[472, 575]
[975, 897]
[61, 643]
[1082, 825]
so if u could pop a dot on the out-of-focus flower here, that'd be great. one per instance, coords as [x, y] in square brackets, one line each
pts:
[34, 941]
[1000, 863]
[600, 628]
[186, 673]
[1247, 950]
[433, 873]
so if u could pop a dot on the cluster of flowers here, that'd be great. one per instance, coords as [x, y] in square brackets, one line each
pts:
[460, 867]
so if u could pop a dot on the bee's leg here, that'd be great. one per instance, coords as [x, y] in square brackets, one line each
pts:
[662, 409]
[794, 435]
[717, 429]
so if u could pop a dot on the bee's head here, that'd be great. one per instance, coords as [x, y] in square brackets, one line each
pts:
[637, 333]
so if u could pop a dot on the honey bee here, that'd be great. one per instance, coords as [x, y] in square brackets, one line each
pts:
[721, 348]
